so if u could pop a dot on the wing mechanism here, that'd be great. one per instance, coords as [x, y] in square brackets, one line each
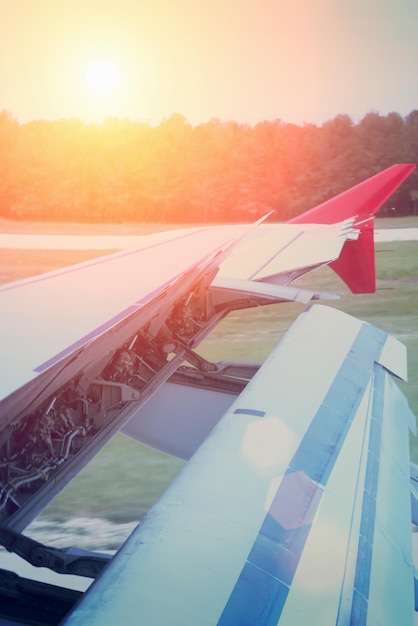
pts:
[56, 423]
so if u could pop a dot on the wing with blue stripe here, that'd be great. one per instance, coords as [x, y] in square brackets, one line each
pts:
[295, 509]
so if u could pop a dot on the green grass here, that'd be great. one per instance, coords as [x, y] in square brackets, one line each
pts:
[120, 484]
[124, 480]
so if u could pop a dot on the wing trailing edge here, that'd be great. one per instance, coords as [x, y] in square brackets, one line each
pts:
[356, 264]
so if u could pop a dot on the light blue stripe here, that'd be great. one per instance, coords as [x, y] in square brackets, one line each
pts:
[261, 590]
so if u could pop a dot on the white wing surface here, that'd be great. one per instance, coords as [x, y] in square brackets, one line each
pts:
[296, 508]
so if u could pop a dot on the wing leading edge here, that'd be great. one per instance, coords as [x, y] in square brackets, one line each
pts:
[295, 509]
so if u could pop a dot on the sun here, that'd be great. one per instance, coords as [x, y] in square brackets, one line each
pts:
[101, 76]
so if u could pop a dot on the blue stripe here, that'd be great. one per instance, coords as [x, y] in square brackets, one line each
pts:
[262, 588]
[250, 412]
[367, 524]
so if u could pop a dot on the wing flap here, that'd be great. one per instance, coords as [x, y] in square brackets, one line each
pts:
[280, 483]
[280, 252]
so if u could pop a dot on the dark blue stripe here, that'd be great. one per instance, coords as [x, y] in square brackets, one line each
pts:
[282, 537]
[250, 412]
[359, 609]
[257, 599]
[367, 523]
[261, 590]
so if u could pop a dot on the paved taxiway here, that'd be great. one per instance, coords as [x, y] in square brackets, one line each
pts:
[120, 242]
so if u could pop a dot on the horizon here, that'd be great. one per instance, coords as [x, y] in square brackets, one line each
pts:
[155, 124]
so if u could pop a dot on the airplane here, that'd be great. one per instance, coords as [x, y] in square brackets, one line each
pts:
[295, 504]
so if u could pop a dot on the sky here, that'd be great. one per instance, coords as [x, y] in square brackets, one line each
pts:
[243, 60]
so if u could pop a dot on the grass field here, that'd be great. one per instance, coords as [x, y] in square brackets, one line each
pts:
[122, 482]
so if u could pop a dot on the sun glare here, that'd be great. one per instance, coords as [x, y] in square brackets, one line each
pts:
[106, 84]
[102, 76]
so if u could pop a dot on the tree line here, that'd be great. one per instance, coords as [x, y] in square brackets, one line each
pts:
[122, 170]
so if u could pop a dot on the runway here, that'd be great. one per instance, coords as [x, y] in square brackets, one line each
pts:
[121, 242]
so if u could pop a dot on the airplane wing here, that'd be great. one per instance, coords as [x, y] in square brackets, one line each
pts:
[296, 508]
[110, 345]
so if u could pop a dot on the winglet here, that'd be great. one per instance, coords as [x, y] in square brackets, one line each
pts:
[355, 264]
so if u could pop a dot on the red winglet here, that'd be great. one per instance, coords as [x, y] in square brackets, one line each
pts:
[355, 264]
